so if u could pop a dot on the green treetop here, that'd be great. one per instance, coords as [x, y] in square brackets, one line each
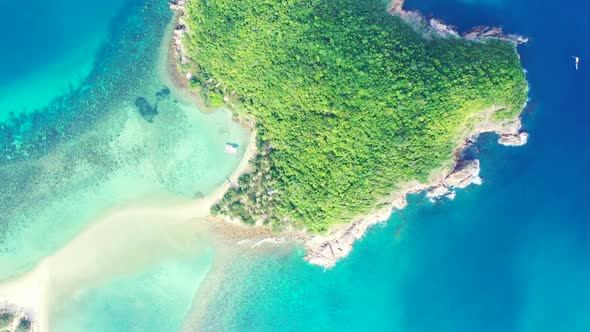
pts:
[350, 101]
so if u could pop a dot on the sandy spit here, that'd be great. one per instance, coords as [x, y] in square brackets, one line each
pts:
[124, 240]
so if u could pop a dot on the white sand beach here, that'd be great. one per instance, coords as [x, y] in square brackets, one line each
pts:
[120, 241]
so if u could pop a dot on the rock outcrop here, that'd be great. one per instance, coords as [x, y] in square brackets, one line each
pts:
[326, 250]
[518, 139]
[180, 30]
[465, 173]
[483, 32]
[177, 5]
[438, 27]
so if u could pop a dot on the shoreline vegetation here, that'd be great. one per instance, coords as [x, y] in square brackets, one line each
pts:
[228, 64]
[27, 300]
[14, 319]
[23, 299]
[351, 120]
[260, 178]
[112, 245]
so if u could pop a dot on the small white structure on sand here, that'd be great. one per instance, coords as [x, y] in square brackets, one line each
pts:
[231, 148]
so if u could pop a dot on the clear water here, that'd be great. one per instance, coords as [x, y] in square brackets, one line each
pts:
[48, 48]
[87, 150]
[154, 299]
[510, 255]
[91, 150]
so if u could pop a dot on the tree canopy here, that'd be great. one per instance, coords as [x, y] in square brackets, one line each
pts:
[349, 101]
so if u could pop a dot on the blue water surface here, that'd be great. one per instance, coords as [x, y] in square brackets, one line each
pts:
[90, 152]
[510, 255]
[48, 48]
[155, 299]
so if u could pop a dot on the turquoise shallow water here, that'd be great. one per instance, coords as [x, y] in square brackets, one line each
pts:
[509, 255]
[155, 299]
[48, 48]
[91, 150]
[88, 150]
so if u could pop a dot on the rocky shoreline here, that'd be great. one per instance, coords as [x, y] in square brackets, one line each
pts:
[179, 30]
[436, 27]
[326, 249]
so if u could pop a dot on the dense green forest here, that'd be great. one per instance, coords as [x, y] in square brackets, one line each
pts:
[350, 102]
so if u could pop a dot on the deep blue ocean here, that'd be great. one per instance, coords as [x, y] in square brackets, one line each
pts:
[510, 255]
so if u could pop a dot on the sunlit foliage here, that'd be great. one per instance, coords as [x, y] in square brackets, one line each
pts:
[349, 100]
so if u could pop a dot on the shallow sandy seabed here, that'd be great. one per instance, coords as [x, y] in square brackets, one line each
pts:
[121, 241]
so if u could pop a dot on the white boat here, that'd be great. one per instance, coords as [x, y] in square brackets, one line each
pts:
[577, 60]
[231, 148]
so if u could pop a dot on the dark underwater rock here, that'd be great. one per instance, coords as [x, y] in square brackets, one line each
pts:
[145, 109]
[163, 94]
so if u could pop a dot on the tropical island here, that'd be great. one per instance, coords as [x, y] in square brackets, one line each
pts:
[355, 103]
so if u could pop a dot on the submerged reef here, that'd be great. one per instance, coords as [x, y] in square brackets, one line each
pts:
[119, 63]
[145, 109]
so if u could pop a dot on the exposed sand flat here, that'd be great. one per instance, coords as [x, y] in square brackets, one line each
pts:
[121, 241]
